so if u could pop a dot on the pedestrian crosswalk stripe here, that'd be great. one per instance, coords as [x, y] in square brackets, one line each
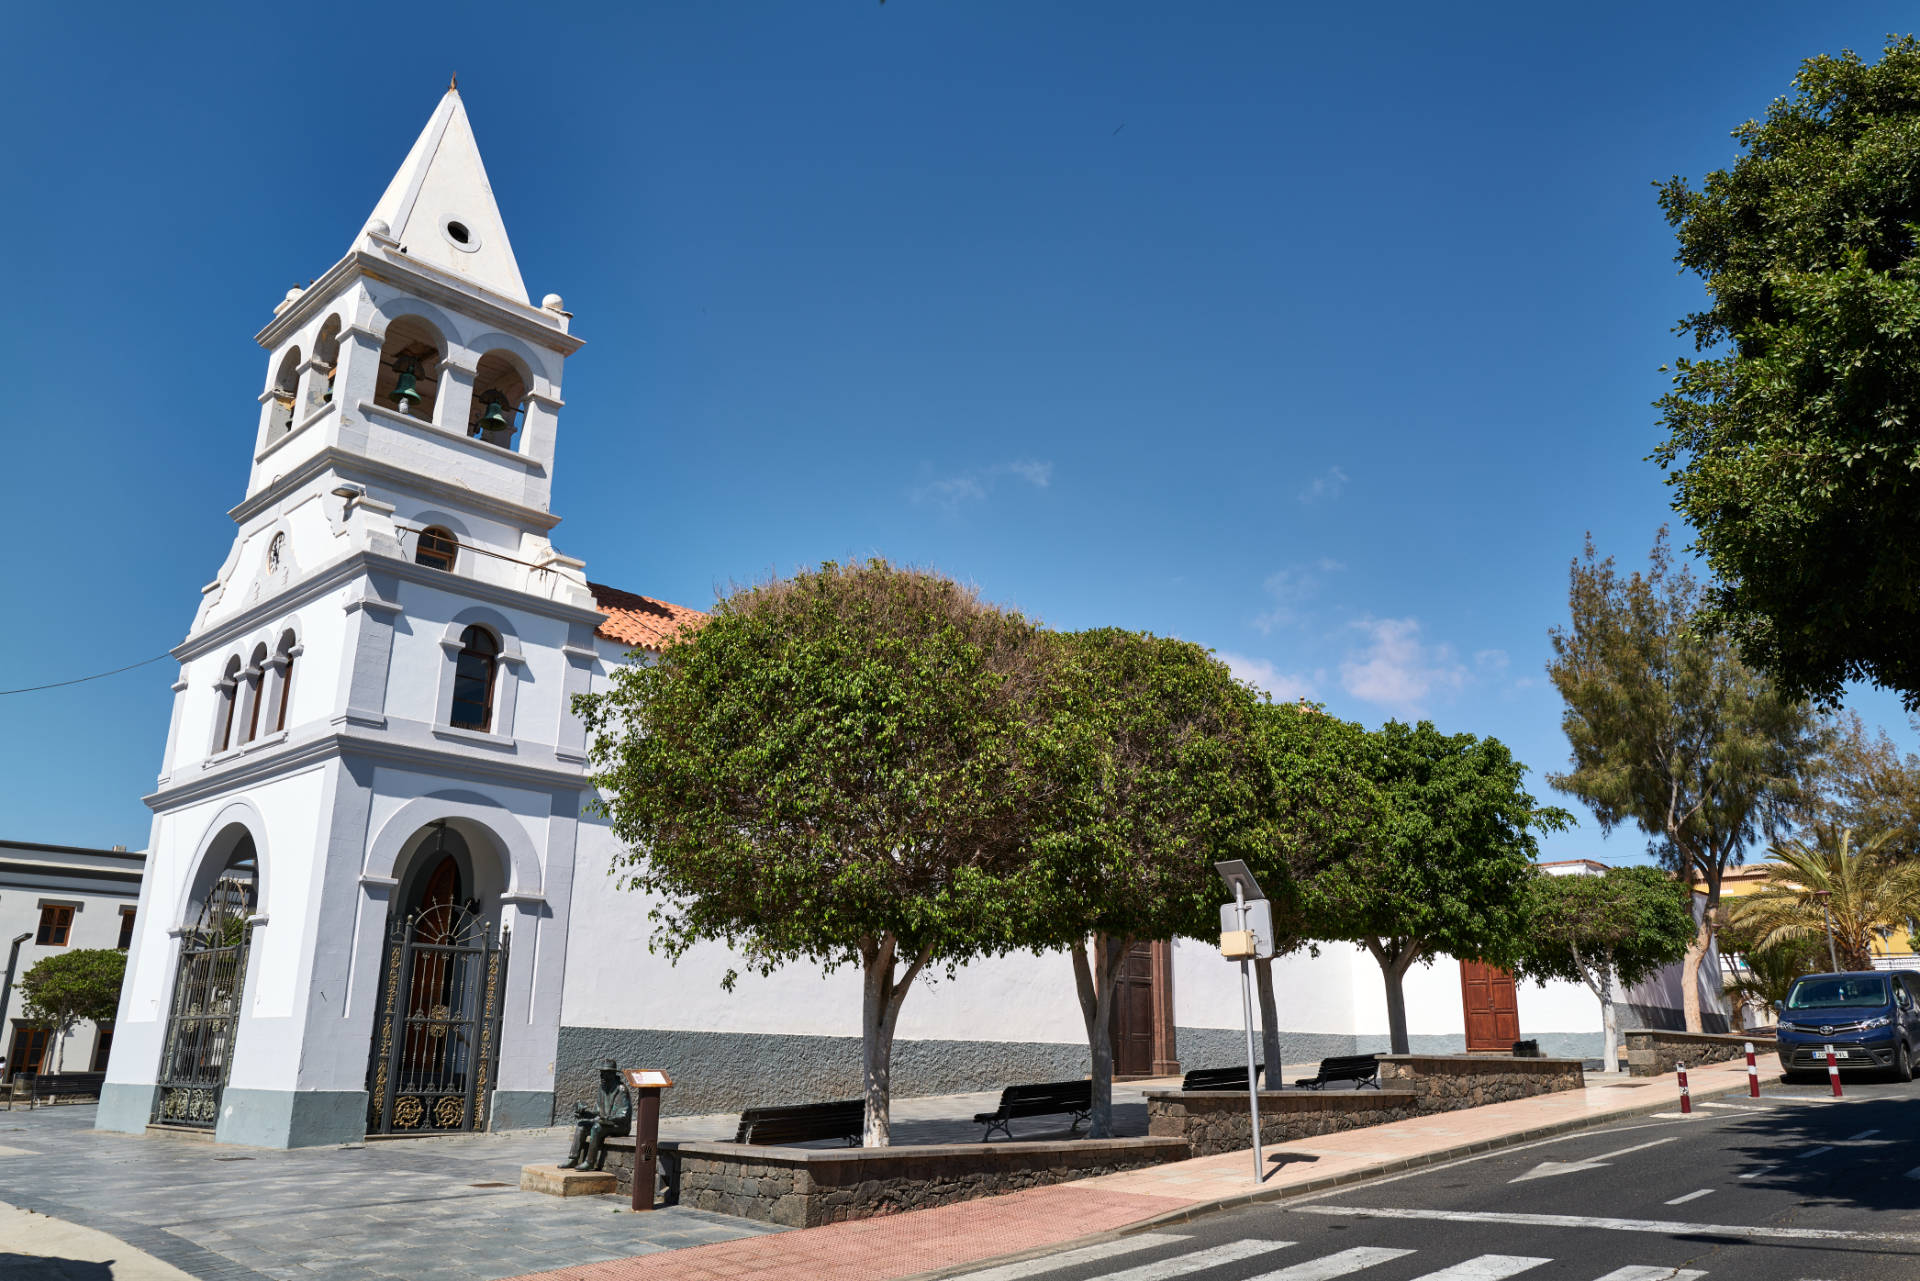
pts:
[1641, 1272]
[1199, 1260]
[1335, 1265]
[1488, 1267]
[1665, 1227]
[1067, 1258]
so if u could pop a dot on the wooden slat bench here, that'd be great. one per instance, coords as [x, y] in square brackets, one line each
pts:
[1055, 1098]
[803, 1123]
[48, 1086]
[1362, 1069]
[1226, 1078]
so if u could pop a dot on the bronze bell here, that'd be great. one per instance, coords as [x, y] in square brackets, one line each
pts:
[495, 417]
[405, 388]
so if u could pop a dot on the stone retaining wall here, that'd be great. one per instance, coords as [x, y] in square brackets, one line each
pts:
[1446, 1082]
[1655, 1053]
[806, 1187]
[1214, 1121]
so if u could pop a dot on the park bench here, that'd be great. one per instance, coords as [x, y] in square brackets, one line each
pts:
[803, 1123]
[1226, 1078]
[1056, 1098]
[1361, 1069]
[48, 1086]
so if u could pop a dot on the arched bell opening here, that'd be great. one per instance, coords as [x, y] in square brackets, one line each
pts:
[437, 1033]
[409, 377]
[209, 983]
[326, 364]
[500, 387]
[286, 385]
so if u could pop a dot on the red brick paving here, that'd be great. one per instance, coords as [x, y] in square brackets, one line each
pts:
[894, 1246]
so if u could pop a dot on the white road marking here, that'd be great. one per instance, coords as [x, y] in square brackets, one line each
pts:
[1488, 1267]
[1819, 1151]
[1547, 1169]
[1187, 1264]
[1864, 1134]
[1691, 1196]
[1666, 1227]
[1086, 1254]
[1641, 1272]
[1754, 1174]
[1335, 1265]
[1914, 1173]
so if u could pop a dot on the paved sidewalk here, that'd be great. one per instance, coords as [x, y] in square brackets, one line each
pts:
[956, 1237]
[34, 1247]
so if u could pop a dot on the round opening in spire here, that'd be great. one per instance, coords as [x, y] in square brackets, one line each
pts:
[460, 236]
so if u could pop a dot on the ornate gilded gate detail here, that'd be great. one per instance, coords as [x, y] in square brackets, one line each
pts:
[439, 1025]
[205, 1012]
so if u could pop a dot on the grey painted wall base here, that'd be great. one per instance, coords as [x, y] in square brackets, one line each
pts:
[522, 1109]
[125, 1108]
[291, 1118]
[1205, 1047]
[727, 1071]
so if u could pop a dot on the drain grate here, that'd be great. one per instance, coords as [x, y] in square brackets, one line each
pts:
[233, 1158]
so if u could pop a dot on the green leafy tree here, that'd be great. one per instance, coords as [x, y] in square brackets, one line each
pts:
[840, 768]
[69, 988]
[1857, 890]
[1612, 930]
[1173, 782]
[1449, 869]
[1328, 810]
[1866, 784]
[1672, 733]
[1763, 975]
[1791, 441]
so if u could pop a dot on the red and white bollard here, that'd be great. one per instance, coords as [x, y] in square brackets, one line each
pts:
[1686, 1099]
[1833, 1072]
[1753, 1074]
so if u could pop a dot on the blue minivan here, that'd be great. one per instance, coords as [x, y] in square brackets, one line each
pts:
[1871, 1019]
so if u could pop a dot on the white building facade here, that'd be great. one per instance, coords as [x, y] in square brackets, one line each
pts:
[375, 900]
[54, 899]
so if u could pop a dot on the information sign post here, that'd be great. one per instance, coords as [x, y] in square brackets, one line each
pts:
[1246, 933]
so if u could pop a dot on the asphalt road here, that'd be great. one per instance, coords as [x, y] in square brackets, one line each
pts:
[1793, 1186]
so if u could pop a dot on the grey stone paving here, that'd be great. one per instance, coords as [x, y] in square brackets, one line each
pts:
[420, 1209]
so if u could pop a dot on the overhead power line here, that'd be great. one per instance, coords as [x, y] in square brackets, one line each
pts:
[81, 680]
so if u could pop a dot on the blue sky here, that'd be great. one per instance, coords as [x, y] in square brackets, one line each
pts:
[1319, 335]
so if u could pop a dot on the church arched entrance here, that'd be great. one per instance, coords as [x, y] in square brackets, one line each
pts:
[436, 1041]
[204, 1015]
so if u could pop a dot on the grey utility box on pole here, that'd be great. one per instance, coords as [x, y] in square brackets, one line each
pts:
[1246, 933]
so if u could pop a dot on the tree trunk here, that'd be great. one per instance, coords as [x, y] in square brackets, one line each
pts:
[1690, 973]
[60, 1050]
[1395, 956]
[882, 993]
[1269, 1024]
[1094, 982]
[1610, 1025]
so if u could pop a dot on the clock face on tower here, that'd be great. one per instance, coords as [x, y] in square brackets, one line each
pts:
[274, 550]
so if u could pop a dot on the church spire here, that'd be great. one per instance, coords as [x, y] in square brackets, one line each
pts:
[440, 205]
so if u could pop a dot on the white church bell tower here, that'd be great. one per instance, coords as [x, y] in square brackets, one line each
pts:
[355, 910]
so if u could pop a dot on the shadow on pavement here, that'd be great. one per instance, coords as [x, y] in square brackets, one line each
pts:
[1825, 1154]
[42, 1267]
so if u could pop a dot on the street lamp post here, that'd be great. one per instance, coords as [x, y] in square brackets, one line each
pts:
[6, 984]
[1833, 957]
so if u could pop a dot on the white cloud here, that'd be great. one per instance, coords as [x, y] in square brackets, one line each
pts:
[1396, 669]
[1326, 486]
[974, 485]
[1490, 660]
[1290, 590]
[1261, 674]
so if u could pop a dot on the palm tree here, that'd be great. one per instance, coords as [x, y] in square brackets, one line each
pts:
[1766, 974]
[1863, 893]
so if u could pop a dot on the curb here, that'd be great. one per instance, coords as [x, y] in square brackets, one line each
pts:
[1261, 1196]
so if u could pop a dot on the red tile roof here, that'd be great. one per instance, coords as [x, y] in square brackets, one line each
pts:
[639, 620]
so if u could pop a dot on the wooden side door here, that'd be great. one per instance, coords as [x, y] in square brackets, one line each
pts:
[1132, 1025]
[1492, 1008]
[28, 1050]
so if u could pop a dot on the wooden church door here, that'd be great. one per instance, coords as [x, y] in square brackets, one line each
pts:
[1492, 1007]
[1132, 1024]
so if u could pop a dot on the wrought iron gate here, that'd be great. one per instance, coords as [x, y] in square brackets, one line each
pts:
[206, 1007]
[437, 1036]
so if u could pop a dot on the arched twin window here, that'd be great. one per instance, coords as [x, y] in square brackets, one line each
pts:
[254, 699]
[473, 679]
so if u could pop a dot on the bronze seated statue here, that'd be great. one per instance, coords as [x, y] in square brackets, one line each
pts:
[611, 1115]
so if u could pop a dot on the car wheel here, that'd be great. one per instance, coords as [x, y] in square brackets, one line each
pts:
[1902, 1062]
